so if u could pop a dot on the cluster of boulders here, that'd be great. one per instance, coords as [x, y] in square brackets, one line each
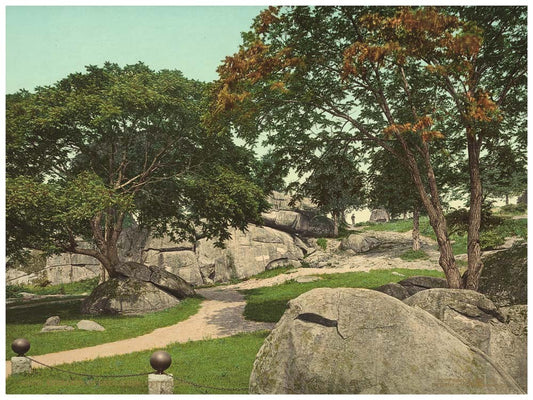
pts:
[53, 324]
[279, 242]
[360, 341]
[414, 336]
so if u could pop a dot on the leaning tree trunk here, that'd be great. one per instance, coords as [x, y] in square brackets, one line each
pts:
[475, 265]
[436, 216]
[416, 229]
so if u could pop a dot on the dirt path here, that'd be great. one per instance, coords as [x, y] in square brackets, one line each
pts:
[221, 314]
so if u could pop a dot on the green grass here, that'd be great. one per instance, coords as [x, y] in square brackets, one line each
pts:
[493, 237]
[74, 288]
[274, 272]
[412, 255]
[223, 363]
[512, 209]
[269, 303]
[27, 323]
[322, 242]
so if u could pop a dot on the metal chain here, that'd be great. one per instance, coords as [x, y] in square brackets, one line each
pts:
[141, 374]
[89, 375]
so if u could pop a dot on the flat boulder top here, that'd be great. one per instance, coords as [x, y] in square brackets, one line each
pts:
[158, 276]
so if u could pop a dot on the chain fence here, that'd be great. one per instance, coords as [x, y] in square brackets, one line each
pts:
[184, 381]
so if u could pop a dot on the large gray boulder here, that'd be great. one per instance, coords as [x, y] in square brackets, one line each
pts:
[409, 286]
[358, 341]
[244, 255]
[161, 278]
[379, 215]
[475, 318]
[127, 296]
[359, 243]
[306, 223]
[504, 276]
[87, 325]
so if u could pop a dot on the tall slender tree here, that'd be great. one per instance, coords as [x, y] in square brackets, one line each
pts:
[384, 75]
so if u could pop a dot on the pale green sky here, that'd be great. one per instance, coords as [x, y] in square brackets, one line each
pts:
[45, 44]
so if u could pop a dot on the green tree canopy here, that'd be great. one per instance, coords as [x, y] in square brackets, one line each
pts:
[98, 146]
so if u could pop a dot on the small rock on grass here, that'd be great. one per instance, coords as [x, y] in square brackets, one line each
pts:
[305, 279]
[86, 325]
[53, 321]
[57, 328]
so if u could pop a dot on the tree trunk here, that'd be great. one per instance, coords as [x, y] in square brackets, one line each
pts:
[436, 219]
[416, 229]
[475, 265]
[335, 224]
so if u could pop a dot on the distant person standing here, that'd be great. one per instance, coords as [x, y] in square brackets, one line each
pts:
[353, 219]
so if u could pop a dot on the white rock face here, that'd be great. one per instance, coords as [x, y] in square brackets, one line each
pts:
[246, 254]
[358, 341]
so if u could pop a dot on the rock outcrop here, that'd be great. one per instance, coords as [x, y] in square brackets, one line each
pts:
[359, 243]
[504, 276]
[158, 276]
[475, 318]
[305, 223]
[245, 254]
[379, 215]
[409, 286]
[358, 341]
[127, 296]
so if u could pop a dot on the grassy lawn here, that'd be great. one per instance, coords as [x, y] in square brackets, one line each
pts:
[269, 303]
[223, 363]
[73, 288]
[412, 255]
[496, 235]
[28, 321]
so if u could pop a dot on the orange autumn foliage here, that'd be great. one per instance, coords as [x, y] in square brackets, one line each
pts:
[421, 127]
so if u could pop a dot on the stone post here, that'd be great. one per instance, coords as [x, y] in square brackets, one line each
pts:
[20, 365]
[160, 384]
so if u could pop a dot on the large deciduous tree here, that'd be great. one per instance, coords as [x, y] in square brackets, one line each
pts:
[98, 147]
[417, 77]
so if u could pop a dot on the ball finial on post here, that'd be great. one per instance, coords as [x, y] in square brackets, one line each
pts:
[160, 361]
[20, 346]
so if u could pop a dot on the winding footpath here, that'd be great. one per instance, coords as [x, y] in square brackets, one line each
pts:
[221, 314]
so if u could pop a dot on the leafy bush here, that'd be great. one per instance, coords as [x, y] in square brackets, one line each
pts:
[322, 242]
[490, 239]
[457, 220]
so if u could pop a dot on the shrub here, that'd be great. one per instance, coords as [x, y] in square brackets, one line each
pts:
[322, 242]
[457, 220]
